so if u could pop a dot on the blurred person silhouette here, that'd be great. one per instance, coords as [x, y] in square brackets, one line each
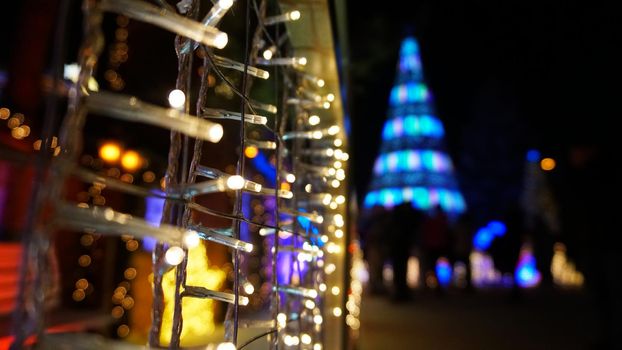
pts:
[505, 250]
[374, 227]
[404, 232]
[461, 234]
[434, 242]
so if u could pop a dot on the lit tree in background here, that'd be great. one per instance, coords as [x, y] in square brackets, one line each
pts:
[413, 164]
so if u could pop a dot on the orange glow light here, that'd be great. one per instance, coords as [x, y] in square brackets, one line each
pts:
[110, 152]
[285, 186]
[251, 152]
[547, 164]
[131, 161]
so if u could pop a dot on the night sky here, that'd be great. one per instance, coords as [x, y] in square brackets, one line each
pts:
[506, 76]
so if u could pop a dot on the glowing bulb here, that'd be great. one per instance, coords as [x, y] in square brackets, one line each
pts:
[335, 183]
[321, 83]
[338, 153]
[339, 233]
[305, 338]
[318, 319]
[322, 287]
[221, 40]
[281, 319]
[330, 152]
[327, 198]
[338, 142]
[177, 99]
[308, 188]
[547, 164]
[326, 105]
[110, 152]
[290, 178]
[331, 171]
[215, 133]
[267, 54]
[131, 161]
[174, 256]
[314, 120]
[345, 156]
[340, 199]
[248, 288]
[225, 4]
[324, 238]
[333, 205]
[341, 175]
[330, 268]
[294, 15]
[319, 219]
[317, 135]
[317, 346]
[235, 182]
[309, 304]
[226, 346]
[337, 165]
[302, 61]
[333, 130]
[337, 311]
[330, 97]
[251, 152]
[191, 239]
[335, 290]
[312, 294]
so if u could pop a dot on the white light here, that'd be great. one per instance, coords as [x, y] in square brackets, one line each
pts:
[327, 198]
[337, 311]
[338, 233]
[302, 61]
[326, 105]
[319, 219]
[225, 4]
[330, 152]
[174, 256]
[333, 248]
[305, 338]
[330, 268]
[317, 346]
[318, 319]
[331, 171]
[338, 153]
[248, 288]
[340, 199]
[341, 175]
[322, 287]
[235, 182]
[317, 134]
[321, 83]
[312, 294]
[338, 142]
[314, 120]
[191, 239]
[267, 54]
[295, 340]
[226, 346]
[294, 15]
[337, 165]
[333, 130]
[330, 97]
[335, 183]
[333, 205]
[308, 188]
[324, 238]
[221, 40]
[281, 319]
[288, 340]
[309, 304]
[215, 133]
[177, 99]
[290, 178]
[335, 290]
[345, 156]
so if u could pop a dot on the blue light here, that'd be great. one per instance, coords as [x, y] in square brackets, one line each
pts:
[153, 215]
[443, 272]
[497, 228]
[482, 239]
[409, 47]
[533, 155]
[262, 164]
[526, 274]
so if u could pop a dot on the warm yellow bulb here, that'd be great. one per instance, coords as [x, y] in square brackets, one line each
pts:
[251, 152]
[110, 152]
[547, 164]
[131, 161]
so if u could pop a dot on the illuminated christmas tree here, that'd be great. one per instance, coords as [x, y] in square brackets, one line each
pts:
[413, 164]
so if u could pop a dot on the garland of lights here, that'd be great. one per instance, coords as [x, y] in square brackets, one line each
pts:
[307, 230]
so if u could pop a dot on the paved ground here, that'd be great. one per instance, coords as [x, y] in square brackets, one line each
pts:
[482, 321]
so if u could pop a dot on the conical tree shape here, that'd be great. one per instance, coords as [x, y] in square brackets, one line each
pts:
[413, 164]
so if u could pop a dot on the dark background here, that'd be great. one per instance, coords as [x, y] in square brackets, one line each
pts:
[506, 76]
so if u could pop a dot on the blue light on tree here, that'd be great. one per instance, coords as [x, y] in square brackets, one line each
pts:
[485, 235]
[413, 164]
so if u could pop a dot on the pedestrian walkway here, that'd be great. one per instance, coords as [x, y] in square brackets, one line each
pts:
[480, 321]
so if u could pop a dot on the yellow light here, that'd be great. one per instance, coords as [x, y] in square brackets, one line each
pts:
[285, 186]
[305, 338]
[110, 152]
[4, 113]
[335, 290]
[294, 15]
[131, 160]
[547, 164]
[330, 97]
[317, 319]
[322, 287]
[251, 152]
[321, 83]
[338, 233]
[314, 120]
[337, 311]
